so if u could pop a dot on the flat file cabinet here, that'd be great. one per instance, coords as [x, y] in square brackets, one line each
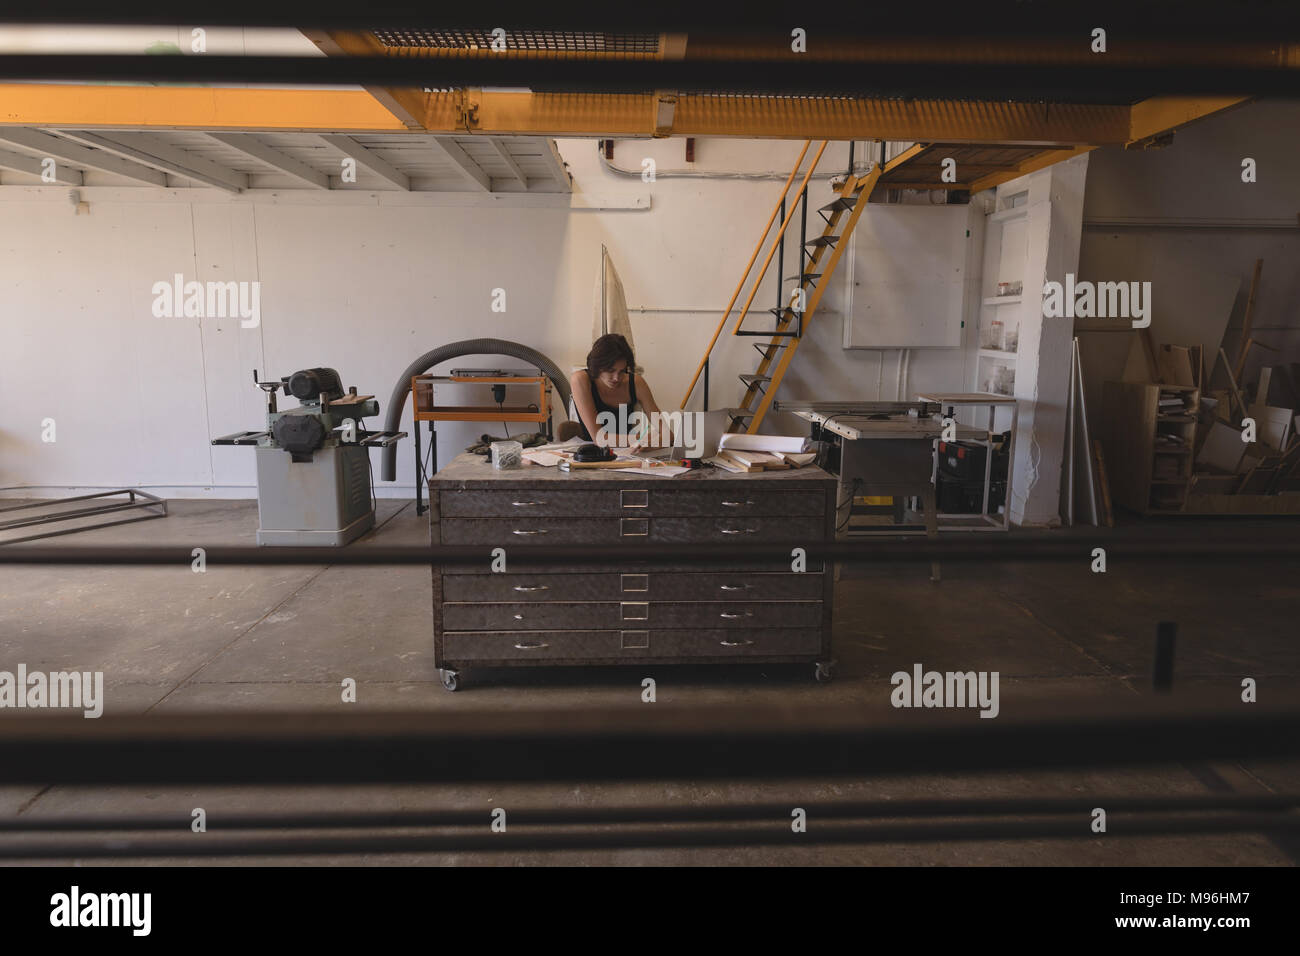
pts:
[628, 613]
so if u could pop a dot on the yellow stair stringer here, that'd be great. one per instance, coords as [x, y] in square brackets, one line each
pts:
[861, 187]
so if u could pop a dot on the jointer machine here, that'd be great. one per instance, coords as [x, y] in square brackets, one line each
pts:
[314, 482]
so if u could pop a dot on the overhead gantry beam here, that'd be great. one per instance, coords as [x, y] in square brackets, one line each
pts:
[1040, 161]
[500, 113]
[407, 105]
[200, 108]
[1159, 115]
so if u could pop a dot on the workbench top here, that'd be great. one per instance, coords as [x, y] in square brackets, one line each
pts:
[468, 471]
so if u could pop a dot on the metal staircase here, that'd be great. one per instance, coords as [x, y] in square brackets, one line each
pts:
[793, 313]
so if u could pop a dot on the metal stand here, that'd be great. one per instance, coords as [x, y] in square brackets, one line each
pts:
[156, 507]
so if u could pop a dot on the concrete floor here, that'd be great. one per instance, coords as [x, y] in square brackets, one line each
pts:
[170, 641]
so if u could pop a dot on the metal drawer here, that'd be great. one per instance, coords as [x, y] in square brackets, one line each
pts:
[612, 646]
[736, 501]
[622, 614]
[480, 503]
[524, 530]
[741, 529]
[612, 502]
[536, 586]
[502, 532]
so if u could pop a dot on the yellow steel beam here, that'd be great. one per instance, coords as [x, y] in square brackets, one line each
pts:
[1161, 114]
[168, 107]
[407, 104]
[1029, 165]
[906, 156]
[634, 115]
[598, 115]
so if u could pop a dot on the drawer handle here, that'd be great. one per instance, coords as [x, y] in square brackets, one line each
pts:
[526, 589]
[733, 587]
[738, 504]
[526, 504]
[735, 643]
[734, 617]
[531, 645]
[543, 531]
[519, 617]
[731, 531]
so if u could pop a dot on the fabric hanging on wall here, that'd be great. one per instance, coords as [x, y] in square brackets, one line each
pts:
[611, 304]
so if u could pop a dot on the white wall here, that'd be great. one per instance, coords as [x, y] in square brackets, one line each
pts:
[1182, 218]
[365, 282]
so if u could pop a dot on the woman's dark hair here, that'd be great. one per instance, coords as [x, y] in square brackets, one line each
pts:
[607, 350]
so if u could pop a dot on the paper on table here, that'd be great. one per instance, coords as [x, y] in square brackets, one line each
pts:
[659, 471]
[559, 446]
[770, 443]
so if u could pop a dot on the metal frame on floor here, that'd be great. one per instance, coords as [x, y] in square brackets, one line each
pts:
[147, 501]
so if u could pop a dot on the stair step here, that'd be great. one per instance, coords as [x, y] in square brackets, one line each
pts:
[752, 380]
[762, 349]
[739, 412]
[780, 312]
[844, 202]
[822, 241]
[804, 277]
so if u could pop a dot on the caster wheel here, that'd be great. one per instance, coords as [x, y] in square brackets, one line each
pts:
[823, 671]
[450, 679]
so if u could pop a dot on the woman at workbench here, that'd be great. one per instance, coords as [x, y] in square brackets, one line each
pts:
[609, 384]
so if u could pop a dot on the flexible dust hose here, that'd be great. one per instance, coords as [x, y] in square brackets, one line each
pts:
[397, 401]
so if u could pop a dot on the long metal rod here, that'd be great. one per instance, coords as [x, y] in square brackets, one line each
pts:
[710, 742]
[920, 78]
[677, 813]
[519, 839]
[1164, 548]
[1084, 436]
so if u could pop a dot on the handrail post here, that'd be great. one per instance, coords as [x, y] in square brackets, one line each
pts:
[722, 323]
[780, 236]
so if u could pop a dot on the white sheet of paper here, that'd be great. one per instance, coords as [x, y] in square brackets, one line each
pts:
[659, 471]
[741, 441]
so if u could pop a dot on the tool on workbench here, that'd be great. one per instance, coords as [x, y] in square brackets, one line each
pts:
[313, 461]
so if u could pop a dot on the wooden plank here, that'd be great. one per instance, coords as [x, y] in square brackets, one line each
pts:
[1149, 351]
[1246, 321]
[1108, 513]
[1242, 504]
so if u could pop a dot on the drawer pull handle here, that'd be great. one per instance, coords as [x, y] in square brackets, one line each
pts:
[519, 617]
[733, 587]
[731, 531]
[735, 643]
[543, 531]
[526, 504]
[734, 617]
[526, 589]
[748, 502]
[531, 645]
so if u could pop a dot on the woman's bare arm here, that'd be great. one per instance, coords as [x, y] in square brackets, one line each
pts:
[581, 387]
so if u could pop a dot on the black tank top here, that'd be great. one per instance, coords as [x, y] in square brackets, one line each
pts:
[602, 406]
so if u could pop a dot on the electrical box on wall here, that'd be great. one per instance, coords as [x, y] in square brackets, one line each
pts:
[908, 276]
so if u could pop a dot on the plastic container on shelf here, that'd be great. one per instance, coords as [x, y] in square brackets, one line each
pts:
[991, 334]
